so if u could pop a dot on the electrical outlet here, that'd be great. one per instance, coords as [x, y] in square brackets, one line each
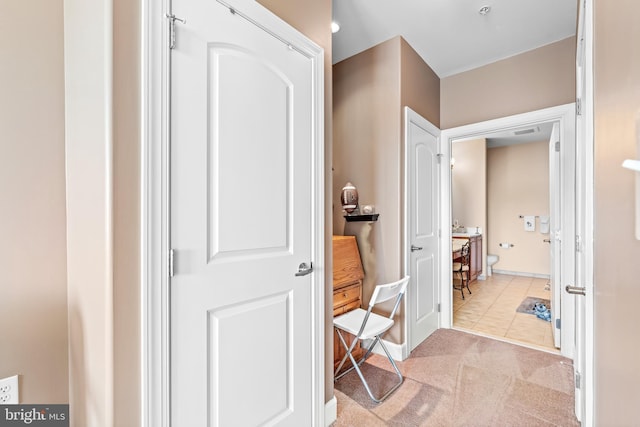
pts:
[9, 391]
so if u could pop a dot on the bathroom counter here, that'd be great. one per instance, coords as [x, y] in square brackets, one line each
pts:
[465, 235]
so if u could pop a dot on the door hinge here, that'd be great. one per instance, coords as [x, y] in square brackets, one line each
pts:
[578, 107]
[171, 259]
[438, 307]
[172, 28]
[557, 323]
[558, 146]
[439, 156]
[578, 245]
[578, 378]
[439, 232]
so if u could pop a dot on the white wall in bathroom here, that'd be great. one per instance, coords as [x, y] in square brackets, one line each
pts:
[518, 184]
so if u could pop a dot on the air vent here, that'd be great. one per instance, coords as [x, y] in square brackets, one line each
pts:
[526, 131]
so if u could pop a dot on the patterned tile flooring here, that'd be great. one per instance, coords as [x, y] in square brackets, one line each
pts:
[491, 310]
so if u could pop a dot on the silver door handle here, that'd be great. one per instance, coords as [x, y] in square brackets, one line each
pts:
[304, 269]
[415, 248]
[575, 290]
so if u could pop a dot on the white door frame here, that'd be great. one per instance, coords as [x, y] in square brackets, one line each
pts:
[154, 190]
[585, 208]
[565, 115]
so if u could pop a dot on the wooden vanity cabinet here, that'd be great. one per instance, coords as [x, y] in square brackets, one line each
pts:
[347, 289]
[475, 257]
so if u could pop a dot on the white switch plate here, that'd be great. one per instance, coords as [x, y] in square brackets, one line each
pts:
[9, 393]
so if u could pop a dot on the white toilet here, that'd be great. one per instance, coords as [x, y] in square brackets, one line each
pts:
[491, 259]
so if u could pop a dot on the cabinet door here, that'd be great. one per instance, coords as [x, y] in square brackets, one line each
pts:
[475, 257]
[478, 251]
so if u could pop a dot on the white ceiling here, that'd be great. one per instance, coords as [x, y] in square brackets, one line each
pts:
[450, 35]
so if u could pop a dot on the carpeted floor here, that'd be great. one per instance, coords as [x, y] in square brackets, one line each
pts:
[458, 379]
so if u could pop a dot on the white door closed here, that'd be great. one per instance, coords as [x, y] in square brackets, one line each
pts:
[241, 223]
[422, 226]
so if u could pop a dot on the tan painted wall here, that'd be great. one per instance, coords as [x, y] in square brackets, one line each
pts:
[367, 152]
[544, 77]
[616, 283]
[313, 19]
[366, 132]
[469, 186]
[89, 226]
[419, 85]
[126, 214]
[468, 182]
[370, 90]
[33, 289]
[518, 184]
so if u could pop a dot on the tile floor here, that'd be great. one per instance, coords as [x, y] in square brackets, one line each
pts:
[491, 310]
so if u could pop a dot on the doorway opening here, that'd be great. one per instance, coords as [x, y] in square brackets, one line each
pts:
[529, 263]
[501, 198]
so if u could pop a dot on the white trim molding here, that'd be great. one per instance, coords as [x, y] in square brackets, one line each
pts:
[330, 411]
[398, 352]
[565, 115]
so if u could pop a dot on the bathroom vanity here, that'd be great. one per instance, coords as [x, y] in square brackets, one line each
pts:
[475, 253]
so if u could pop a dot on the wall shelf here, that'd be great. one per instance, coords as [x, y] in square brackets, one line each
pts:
[369, 217]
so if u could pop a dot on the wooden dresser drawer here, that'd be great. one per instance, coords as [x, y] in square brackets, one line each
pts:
[346, 295]
[345, 308]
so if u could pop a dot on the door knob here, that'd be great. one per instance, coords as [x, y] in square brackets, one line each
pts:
[415, 248]
[304, 269]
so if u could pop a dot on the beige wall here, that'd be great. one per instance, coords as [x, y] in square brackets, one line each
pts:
[370, 89]
[367, 152]
[419, 85]
[469, 186]
[33, 290]
[616, 283]
[88, 111]
[103, 200]
[126, 213]
[468, 182]
[313, 19]
[366, 130]
[518, 184]
[541, 78]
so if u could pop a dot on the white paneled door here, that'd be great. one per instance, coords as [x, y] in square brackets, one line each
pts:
[422, 242]
[241, 227]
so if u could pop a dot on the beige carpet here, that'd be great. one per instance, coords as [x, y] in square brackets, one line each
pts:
[459, 379]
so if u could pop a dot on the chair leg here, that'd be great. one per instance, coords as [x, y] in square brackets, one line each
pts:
[468, 280]
[461, 273]
[356, 366]
[344, 358]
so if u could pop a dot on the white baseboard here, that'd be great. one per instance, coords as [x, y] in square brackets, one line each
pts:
[398, 352]
[520, 273]
[330, 411]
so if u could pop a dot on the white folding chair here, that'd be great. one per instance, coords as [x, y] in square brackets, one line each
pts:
[365, 325]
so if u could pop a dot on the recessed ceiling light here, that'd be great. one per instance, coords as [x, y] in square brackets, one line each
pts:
[335, 27]
[484, 10]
